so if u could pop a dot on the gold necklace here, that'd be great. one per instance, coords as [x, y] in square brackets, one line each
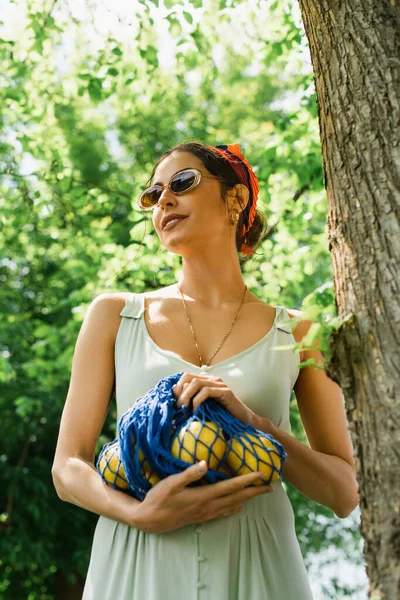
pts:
[207, 363]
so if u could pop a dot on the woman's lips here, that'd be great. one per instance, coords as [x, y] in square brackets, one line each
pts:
[173, 223]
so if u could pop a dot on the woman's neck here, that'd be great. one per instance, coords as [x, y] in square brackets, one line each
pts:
[213, 284]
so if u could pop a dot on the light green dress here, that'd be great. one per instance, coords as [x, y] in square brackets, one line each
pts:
[253, 555]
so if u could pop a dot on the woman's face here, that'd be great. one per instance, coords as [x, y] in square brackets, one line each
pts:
[206, 214]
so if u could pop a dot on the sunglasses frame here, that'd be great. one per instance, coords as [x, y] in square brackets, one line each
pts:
[198, 177]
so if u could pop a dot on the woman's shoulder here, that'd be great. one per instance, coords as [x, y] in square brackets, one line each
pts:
[301, 327]
[105, 310]
[111, 300]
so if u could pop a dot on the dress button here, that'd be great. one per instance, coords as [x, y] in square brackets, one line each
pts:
[198, 529]
[200, 586]
[201, 558]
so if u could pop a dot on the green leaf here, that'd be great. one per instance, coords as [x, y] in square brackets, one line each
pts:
[150, 55]
[37, 46]
[188, 17]
[171, 3]
[307, 363]
[175, 28]
[95, 89]
[49, 22]
[312, 334]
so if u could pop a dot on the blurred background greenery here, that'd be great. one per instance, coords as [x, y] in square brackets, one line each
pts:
[91, 94]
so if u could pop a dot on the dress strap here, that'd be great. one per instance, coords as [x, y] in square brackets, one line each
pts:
[283, 322]
[134, 306]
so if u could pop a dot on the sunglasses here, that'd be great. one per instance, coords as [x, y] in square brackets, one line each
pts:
[183, 181]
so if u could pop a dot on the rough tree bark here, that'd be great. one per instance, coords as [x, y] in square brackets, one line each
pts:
[355, 51]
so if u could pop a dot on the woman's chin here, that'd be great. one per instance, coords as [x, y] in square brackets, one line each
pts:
[183, 247]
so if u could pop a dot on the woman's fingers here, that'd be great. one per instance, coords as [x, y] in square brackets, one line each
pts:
[191, 474]
[219, 500]
[235, 484]
[241, 495]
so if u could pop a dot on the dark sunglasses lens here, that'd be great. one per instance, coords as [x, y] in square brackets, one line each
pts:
[150, 198]
[182, 181]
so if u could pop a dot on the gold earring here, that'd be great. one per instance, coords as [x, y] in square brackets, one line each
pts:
[234, 217]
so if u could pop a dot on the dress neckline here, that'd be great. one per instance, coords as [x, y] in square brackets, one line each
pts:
[205, 368]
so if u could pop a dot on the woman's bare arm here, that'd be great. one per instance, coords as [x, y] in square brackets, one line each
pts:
[325, 472]
[75, 477]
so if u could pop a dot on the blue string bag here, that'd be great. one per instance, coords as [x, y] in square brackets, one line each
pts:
[157, 439]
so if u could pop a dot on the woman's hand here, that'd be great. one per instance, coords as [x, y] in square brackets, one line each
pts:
[197, 388]
[172, 503]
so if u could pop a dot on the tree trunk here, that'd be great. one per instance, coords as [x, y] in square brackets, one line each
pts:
[355, 51]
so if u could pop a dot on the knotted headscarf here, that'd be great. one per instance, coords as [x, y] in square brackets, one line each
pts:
[248, 178]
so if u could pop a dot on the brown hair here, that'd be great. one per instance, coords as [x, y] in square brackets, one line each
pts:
[217, 165]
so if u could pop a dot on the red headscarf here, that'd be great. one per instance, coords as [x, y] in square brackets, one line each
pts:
[247, 177]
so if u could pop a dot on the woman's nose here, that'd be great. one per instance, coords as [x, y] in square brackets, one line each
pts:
[167, 197]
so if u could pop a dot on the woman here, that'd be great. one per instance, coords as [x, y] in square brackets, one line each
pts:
[231, 540]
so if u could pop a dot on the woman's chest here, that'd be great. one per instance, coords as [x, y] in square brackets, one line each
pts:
[261, 377]
[206, 336]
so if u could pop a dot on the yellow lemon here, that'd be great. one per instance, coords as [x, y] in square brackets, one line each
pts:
[152, 478]
[112, 469]
[198, 441]
[148, 472]
[254, 453]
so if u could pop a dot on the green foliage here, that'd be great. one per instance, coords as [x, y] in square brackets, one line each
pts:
[83, 121]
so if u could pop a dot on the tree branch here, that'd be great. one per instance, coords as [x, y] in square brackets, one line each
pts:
[272, 228]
